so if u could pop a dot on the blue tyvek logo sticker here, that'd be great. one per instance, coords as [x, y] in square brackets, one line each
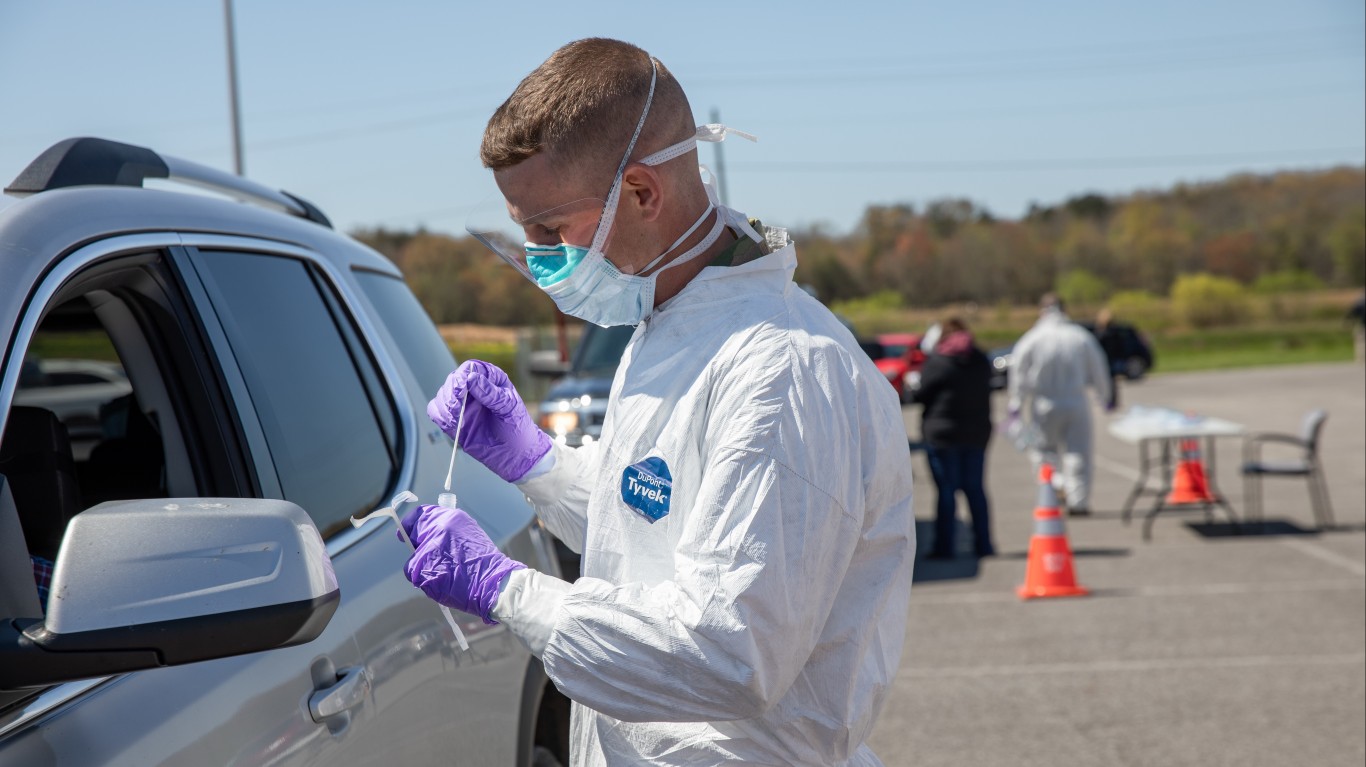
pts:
[646, 487]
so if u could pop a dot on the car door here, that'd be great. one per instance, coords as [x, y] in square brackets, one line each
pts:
[126, 294]
[263, 387]
[342, 437]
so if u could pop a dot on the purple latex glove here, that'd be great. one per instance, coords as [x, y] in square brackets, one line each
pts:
[497, 429]
[455, 563]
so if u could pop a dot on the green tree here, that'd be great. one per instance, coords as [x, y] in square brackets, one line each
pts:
[1287, 281]
[1205, 300]
[1079, 287]
[1140, 307]
[1347, 243]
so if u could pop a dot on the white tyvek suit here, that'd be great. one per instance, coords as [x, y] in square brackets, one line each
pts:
[1050, 368]
[760, 621]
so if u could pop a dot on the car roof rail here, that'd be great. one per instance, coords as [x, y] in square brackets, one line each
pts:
[99, 162]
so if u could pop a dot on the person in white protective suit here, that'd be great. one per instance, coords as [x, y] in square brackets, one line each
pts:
[745, 518]
[1051, 367]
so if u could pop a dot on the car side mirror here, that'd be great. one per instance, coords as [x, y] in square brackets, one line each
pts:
[546, 364]
[149, 583]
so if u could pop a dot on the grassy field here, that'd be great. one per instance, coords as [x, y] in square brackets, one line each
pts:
[1313, 331]
[1252, 347]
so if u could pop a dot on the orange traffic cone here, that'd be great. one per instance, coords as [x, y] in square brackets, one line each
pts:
[1049, 570]
[1189, 484]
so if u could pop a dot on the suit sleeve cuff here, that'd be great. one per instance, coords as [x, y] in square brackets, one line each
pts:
[528, 604]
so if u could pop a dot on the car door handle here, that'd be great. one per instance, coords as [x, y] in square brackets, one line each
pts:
[353, 684]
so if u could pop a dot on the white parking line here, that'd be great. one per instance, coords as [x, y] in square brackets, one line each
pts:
[1189, 589]
[1304, 547]
[1325, 555]
[1156, 664]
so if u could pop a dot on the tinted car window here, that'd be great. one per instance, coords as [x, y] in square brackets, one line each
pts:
[427, 355]
[600, 351]
[325, 438]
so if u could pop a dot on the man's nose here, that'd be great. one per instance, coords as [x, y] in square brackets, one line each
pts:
[536, 237]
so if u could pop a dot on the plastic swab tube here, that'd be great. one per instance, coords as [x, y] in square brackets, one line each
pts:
[391, 511]
[448, 498]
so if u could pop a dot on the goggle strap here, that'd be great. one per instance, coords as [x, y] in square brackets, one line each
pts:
[713, 132]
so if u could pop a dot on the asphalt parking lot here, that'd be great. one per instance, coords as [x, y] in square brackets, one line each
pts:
[1200, 647]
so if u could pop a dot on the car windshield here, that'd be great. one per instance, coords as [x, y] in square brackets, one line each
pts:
[600, 351]
[895, 350]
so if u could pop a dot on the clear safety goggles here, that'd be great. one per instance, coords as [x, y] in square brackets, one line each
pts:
[493, 225]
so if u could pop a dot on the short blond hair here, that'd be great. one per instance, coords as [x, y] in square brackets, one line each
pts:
[581, 107]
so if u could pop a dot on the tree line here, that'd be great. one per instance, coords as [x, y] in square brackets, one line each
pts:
[1292, 229]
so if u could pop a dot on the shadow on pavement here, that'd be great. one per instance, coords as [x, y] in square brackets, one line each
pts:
[1265, 529]
[1079, 553]
[961, 567]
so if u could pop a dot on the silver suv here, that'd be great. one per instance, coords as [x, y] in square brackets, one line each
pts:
[210, 601]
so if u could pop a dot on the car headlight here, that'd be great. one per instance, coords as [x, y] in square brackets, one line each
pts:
[1001, 363]
[560, 421]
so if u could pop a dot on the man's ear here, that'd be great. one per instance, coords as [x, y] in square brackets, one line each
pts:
[642, 188]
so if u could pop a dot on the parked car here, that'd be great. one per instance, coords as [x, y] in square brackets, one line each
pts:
[1133, 360]
[76, 391]
[1130, 354]
[212, 602]
[573, 409]
[1000, 366]
[900, 359]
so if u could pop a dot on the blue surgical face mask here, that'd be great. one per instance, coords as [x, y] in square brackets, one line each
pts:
[551, 263]
[584, 284]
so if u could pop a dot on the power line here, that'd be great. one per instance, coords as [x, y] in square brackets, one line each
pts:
[1014, 71]
[1060, 163]
[942, 70]
[369, 129]
[390, 126]
[1126, 105]
[1152, 45]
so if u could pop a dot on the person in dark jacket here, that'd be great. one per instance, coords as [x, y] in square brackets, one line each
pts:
[955, 392]
[1112, 342]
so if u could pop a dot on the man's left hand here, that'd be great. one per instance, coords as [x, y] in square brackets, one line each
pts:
[455, 562]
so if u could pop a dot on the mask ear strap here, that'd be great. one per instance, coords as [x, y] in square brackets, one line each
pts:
[609, 211]
[681, 238]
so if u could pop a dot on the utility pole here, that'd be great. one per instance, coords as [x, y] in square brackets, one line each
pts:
[234, 112]
[720, 161]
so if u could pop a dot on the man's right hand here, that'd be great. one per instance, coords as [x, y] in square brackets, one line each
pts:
[497, 429]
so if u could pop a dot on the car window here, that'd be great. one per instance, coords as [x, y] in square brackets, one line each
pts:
[137, 432]
[323, 425]
[873, 349]
[412, 330]
[600, 351]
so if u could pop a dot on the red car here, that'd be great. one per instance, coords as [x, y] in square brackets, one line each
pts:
[899, 357]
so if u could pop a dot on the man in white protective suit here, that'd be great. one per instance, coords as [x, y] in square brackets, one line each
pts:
[745, 517]
[1051, 367]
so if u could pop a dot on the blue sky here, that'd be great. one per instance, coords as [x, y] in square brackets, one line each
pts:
[374, 110]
